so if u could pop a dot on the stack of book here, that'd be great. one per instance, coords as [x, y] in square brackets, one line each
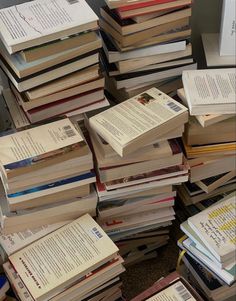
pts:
[145, 44]
[138, 161]
[46, 174]
[210, 245]
[171, 287]
[50, 53]
[78, 261]
[210, 137]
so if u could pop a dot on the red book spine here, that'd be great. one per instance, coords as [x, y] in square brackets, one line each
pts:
[143, 4]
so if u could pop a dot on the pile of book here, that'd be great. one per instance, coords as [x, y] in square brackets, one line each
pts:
[137, 162]
[171, 287]
[145, 44]
[50, 53]
[210, 136]
[78, 261]
[46, 174]
[210, 245]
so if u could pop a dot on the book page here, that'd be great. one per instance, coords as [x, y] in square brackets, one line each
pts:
[18, 240]
[175, 292]
[30, 20]
[136, 116]
[210, 87]
[37, 141]
[216, 225]
[63, 256]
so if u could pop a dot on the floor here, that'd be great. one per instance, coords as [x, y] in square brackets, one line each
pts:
[140, 276]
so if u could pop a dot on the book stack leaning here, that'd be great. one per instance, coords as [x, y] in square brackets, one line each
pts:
[210, 137]
[49, 50]
[138, 160]
[76, 262]
[145, 44]
[210, 246]
[46, 174]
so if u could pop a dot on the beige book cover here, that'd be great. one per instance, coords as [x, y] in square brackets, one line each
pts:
[57, 260]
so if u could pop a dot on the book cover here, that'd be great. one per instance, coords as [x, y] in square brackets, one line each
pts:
[57, 260]
[31, 21]
[216, 227]
[40, 143]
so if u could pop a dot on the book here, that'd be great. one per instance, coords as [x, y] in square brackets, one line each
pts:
[57, 46]
[4, 286]
[22, 26]
[40, 146]
[83, 234]
[113, 55]
[227, 30]
[42, 77]
[128, 26]
[221, 216]
[127, 4]
[144, 35]
[63, 83]
[23, 69]
[212, 54]
[149, 105]
[146, 9]
[210, 91]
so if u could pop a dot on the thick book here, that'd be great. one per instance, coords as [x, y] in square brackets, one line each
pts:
[227, 30]
[147, 9]
[141, 119]
[210, 91]
[216, 227]
[34, 23]
[128, 4]
[68, 254]
[40, 146]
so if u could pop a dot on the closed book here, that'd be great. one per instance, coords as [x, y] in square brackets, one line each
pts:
[41, 146]
[145, 123]
[219, 219]
[76, 249]
[33, 23]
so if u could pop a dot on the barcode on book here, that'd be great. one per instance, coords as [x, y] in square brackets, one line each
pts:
[182, 291]
[173, 106]
[72, 1]
[69, 131]
[97, 233]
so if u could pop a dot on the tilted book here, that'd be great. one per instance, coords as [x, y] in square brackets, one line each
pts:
[141, 119]
[40, 146]
[216, 227]
[56, 261]
[33, 23]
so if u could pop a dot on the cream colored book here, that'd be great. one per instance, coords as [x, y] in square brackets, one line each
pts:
[216, 227]
[33, 23]
[56, 261]
[141, 119]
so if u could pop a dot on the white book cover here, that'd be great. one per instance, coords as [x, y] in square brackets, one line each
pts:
[35, 19]
[127, 121]
[13, 242]
[228, 29]
[210, 88]
[216, 227]
[30, 143]
[57, 260]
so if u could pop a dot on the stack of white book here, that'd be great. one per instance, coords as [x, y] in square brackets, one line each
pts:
[46, 174]
[77, 261]
[137, 162]
[210, 243]
[49, 50]
[210, 138]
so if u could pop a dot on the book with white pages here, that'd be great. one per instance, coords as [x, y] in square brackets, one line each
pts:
[33, 23]
[216, 227]
[141, 119]
[210, 91]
